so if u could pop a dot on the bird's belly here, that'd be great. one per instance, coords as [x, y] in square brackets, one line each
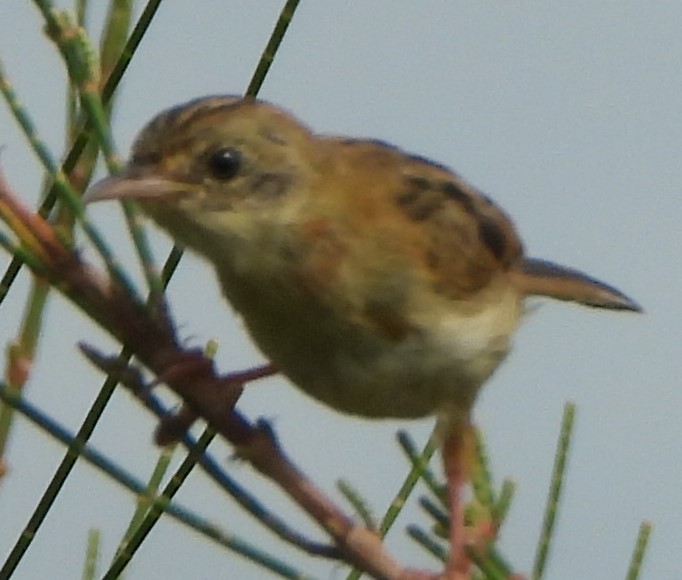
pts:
[354, 369]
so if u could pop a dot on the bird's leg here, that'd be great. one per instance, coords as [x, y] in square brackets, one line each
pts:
[457, 449]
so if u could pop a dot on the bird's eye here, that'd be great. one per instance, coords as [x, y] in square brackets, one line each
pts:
[225, 163]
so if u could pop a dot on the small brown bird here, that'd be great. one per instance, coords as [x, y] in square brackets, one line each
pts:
[378, 282]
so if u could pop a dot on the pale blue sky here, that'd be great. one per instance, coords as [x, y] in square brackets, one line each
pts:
[566, 113]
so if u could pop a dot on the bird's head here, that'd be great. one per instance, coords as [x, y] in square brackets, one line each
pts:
[213, 162]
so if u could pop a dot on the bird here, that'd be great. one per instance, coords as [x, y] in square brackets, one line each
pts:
[378, 282]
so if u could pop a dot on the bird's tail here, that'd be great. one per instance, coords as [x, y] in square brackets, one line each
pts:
[542, 278]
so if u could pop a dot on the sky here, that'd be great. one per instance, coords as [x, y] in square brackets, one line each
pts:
[566, 113]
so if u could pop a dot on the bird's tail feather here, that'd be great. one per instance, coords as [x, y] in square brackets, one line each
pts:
[542, 278]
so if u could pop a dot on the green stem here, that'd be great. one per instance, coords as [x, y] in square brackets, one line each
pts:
[270, 50]
[556, 486]
[640, 548]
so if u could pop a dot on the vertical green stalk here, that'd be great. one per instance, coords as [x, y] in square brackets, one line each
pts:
[556, 486]
[270, 50]
[640, 548]
[92, 555]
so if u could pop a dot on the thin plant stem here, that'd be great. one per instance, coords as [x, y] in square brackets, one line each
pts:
[556, 486]
[268, 55]
[420, 462]
[427, 542]
[92, 555]
[24, 254]
[501, 508]
[640, 549]
[481, 478]
[146, 500]
[438, 513]
[416, 472]
[489, 567]
[155, 508]
[360, 506]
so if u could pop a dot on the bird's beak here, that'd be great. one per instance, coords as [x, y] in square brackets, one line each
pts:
[135, 184]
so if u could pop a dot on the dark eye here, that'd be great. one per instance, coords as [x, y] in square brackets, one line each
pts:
[225, 163]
